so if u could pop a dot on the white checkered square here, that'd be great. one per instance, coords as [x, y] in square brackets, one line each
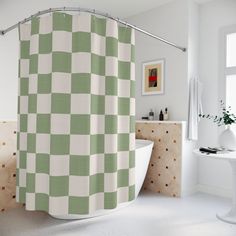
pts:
[30, 199]
[122, 194]
[61, 41]
[111, 105]
[44, 103]
[31, 163]
[111, 29]
[132, 141]
[81, 22]
[43, 143]
[23, 104]
[131, 176]
[123, 88]
[42, 183]
[124, 52]
[97, 84]
[111, 66]
[58, 205]
[24, 68]
[110, 182]
[60, 124]
[25, 32]
[97, 123]
[98, 44]
[81, 62]
[44, 63]
[33, 84]
[34, 44]
[31, 123]
[111, 143]
[96, 164]
[80, 145]
[123, 160]
[79, 186]
[45, 25]
[78, 102]
[61, 82]
[96, 202]
[23, 141]
[123, 124]
[132, 106]
[22, 178]
[59, 165]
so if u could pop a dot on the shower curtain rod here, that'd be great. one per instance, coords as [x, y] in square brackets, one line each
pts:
[93, 11]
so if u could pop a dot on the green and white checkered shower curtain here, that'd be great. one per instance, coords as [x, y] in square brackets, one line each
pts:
[76, 140]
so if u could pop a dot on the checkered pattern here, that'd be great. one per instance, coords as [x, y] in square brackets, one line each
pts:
[76, 136]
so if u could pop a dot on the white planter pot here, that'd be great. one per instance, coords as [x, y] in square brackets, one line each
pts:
[227, 139]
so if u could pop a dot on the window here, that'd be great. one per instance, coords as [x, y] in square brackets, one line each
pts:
[230, 70]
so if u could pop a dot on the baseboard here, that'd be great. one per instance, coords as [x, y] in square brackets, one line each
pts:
[218, 191]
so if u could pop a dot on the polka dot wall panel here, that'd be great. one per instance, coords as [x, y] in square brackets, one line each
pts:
[164, 171]
[8, 166]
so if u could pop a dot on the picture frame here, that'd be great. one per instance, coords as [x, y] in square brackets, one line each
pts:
[153, 77]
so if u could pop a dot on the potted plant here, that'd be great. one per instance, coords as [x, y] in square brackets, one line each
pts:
[227, 138]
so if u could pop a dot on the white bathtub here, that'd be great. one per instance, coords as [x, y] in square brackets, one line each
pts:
[142, 157]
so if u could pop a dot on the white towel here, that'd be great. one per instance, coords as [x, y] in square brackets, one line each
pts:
[195, 107]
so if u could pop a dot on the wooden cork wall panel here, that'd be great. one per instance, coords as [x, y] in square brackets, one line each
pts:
[8, 166]
[164, 171]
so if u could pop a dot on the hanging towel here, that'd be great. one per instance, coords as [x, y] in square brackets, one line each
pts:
[195, 107]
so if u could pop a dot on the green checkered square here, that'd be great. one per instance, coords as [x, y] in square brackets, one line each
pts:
[123, 142]
[124, 70]
[60, 144]
[96, 144]
[45, 43]
[80, 124]
[110, 163]
[42, 163]
[33, 64]
[96, 184]
[79, 165]
[59, 186]
[111, 47]
[22, 160]
[81, 42]
[24, 86]
[31, 143]
[61, 62]
[98, 104]
[98, 64]
[123, 106]
[30, 182]
[123, 178]
[111, 85]
[78, 205]
[24, 49]
[98, 25]
[44, 83]
[110, 124]
[34, 25]
[43, 123]
[80, 83]
[62, 22]
[41, 202]
[32, 103]
[23, 122]
[61, 103]
[110, 200]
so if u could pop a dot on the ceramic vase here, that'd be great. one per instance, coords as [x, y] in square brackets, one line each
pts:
[227, 139]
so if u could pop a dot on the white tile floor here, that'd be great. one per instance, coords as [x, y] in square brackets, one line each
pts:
[149, 215]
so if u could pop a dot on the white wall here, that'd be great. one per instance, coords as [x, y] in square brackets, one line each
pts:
[171, 22]
[214, 176]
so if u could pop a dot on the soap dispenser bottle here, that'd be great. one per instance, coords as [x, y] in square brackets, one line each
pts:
[151, 115]
[161, 116]
[166, 115]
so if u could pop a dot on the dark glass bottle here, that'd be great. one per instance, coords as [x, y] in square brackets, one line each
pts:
[161, 116]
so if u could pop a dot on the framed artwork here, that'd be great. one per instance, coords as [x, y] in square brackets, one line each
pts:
[153, 77]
